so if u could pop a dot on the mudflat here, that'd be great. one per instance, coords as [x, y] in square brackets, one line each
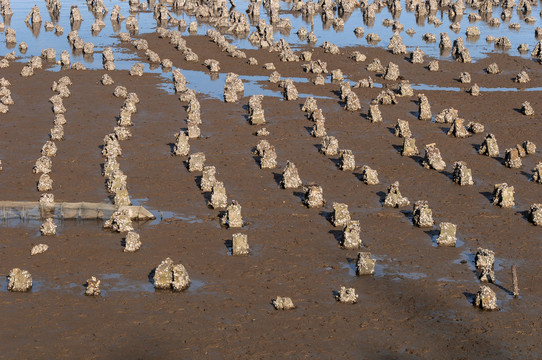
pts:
[417, 304]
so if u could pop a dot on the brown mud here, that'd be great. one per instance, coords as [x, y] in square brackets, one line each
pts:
[418, 304]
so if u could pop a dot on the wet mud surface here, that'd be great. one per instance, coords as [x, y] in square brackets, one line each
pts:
[417, 305]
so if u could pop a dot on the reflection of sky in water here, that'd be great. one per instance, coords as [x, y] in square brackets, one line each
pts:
[48, 39]
[212, 86]
[383, 268]
[477, 48]
[325, 32]
[346, 37]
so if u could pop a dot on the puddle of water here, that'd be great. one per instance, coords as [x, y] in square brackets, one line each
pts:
[110, 276]
[466, 257]
[212, 85]
[42, 39]
[201, 80]
[37, 285]
[469, 255]
[429, 87]
[195, 285]
[351, 266]
[110, 283]
[501, 89]
[139, 202]
[383, 268]
[478, 48]
[500, 265]
[62, 224]
[35, 223]
[161, 215]
[445, 279]
[426, 87]
[117, 283]
[412, 276]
